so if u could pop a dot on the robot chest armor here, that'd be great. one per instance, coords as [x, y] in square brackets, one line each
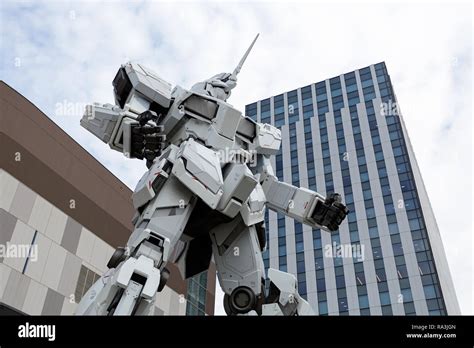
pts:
[211, 121]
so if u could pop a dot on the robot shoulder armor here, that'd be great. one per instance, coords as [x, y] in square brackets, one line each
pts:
[267, 139]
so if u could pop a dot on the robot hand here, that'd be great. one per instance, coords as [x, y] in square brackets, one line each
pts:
[146, 116]
[147, 140]
[331, 213]
[226, 81]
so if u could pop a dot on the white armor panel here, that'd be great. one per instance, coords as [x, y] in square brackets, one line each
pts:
[295, 202]
[227, 120]
[238, 184]
[148, 83]
[252, 210]
[267, 139]
[110, 124]
[198, 168]
[143, 266]
[211, 120]
[101, 119]
[238, 257]
[152, 181]
[289, 302]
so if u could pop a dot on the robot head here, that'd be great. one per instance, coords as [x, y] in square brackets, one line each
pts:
[218, 86]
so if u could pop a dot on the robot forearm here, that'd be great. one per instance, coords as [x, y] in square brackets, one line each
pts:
[303, 205]
[299, 203]
[125, 131]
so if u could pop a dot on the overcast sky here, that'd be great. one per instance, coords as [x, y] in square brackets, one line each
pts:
[65, 54]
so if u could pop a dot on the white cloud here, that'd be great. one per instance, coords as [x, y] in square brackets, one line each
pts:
[427, 48]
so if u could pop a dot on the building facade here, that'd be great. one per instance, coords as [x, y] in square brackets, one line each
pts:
[62, 214]
[346, 135]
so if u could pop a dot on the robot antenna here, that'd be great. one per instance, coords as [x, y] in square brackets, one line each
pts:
[239, 66]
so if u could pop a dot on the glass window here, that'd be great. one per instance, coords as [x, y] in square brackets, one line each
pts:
[360, 278]
[378, 264]
[340, 283]
[322, 295]
[302, 288]
[404, 283]
[370, 213]
[426, 267]
[319, 263]
[372, 222]
[321, 97]
[414, 224]
[282, 260]
[393, 228]
[419, 245]
[387, 310]
[409, 308]
[407, 297]
[402, 271]
[380, 273]
[323, 307]
[321, 284]
[363, 301]
[317, 243]
[397, 249]
[281, 241]
[358, 267]
[320, 274]
[281, 231]
[282, 250]
[343, 304]
[354, 236]
[430, 291]
[300, 257]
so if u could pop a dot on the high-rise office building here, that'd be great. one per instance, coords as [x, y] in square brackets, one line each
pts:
[346, 135]
[62, 214]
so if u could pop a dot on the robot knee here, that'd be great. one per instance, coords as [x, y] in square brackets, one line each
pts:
[243, 300]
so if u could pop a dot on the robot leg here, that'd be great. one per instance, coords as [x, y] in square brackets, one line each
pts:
[138, 271]
[240, 268]
[283, 297]
[128, 289]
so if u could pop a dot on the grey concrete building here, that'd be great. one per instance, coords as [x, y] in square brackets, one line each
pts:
[346, 135]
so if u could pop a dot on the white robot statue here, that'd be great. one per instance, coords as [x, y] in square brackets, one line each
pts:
[208, 182]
